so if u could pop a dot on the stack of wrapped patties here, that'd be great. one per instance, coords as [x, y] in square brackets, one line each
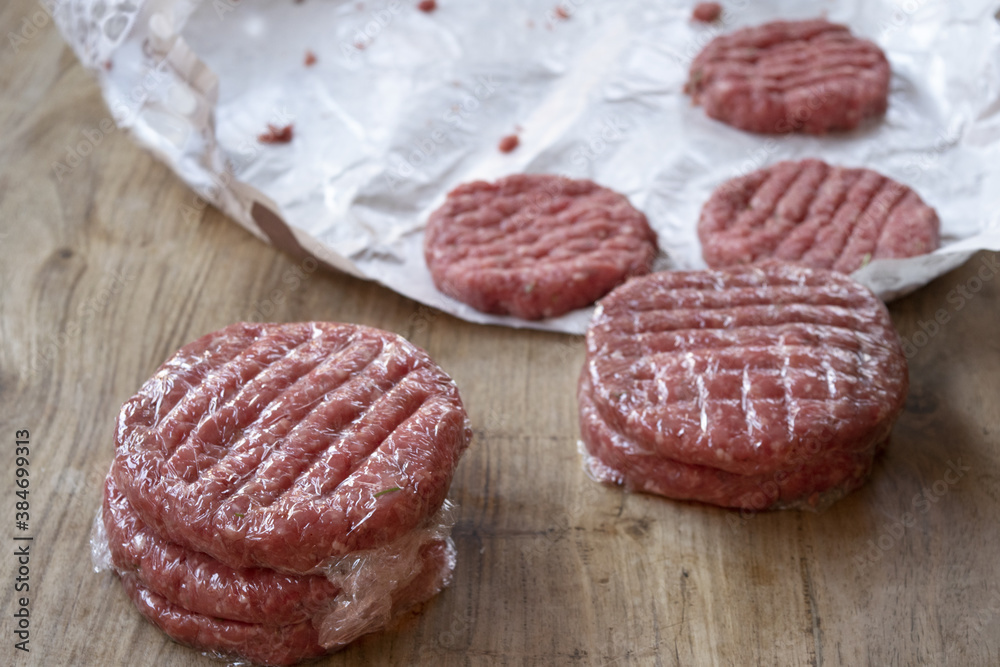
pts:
[278, 490]
[766, 386]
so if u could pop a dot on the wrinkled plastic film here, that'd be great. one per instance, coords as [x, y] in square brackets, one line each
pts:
[199, 583]
[374, 583]
[100, 555]
[756, 388]
[284, 480]
[762, 495]
[287, 446]
[374, 587]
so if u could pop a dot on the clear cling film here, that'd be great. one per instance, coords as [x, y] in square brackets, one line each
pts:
[289, 445]
[379, 583]
[758, 387]
[224, 610]
[284, 481]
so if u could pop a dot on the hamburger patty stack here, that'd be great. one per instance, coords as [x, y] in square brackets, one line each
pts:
[278, 490]
[763, 386]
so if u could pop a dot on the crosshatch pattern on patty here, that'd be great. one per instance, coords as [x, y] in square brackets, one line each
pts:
[286, 445]
[733, 369]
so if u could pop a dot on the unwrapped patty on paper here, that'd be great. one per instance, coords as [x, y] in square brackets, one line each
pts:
[535, 245]
[813, 213]
[791, 76]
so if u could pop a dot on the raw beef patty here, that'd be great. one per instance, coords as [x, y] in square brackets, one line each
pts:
[199, 583]
[273, 644]
[535, 245]
[810, 212]
[791, 76]
[760, 386]
[289, 445]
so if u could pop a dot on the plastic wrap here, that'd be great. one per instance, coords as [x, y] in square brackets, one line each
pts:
[290, 445]
[378, 583]
[199, 583]
[287, 644]
[759, 387]
[369, 590]
[260, 432]
[232, 641]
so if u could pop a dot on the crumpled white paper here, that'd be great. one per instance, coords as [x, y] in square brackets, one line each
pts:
[402, 105]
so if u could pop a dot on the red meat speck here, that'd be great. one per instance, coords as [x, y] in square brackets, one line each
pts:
[561, 13]
[427, 6]
[509, 143]
[276, 135]
[706, 12]
[310, 58]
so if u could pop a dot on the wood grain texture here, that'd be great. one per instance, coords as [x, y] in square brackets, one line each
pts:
[102, 279]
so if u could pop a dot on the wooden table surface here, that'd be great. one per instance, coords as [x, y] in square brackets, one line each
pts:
[102, 279]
